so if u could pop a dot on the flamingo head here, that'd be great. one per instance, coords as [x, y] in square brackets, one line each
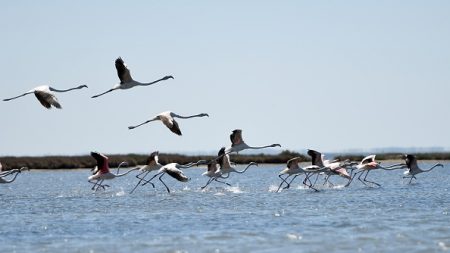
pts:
[203, 115]
[167, 77]
[82, 86]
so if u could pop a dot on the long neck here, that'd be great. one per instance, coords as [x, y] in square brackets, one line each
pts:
[393, 167]
[248, 166]
[75, 88]
[188, 117]
[261, 147]
[145, 84]
[123, 174]
[434, 166]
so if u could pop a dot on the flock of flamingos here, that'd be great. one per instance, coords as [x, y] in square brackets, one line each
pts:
[219, 168]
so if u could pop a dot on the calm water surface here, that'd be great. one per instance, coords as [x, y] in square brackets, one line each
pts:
[55, 211]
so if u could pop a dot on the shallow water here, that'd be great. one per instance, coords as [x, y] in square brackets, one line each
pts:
[55, 211]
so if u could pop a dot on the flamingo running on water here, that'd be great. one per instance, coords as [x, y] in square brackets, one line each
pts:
[368, 164]
[225, 164]
[174, 170]
[413, 169]
[292, 169]
[152, 164]
[126, 82]
[213, 173]
[45, 95]
[101, 172]
[238, 144]
[168, 119]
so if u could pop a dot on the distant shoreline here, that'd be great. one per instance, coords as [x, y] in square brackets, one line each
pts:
[86, 161]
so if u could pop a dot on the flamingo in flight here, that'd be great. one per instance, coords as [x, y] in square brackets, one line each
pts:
[225, 164]
[45, 95]
[168, 119]
[238, 144]
[413, 169]
[4, 174]
[174, 170]
[368, 164]
[152, 164]
[126, 81]
[101, 172]
[213, 173]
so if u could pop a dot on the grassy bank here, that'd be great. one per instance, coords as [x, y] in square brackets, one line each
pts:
[70, 162]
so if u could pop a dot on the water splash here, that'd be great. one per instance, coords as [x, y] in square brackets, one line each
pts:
[234, 189]
[294, 237]
[273, 188]
[120, 193]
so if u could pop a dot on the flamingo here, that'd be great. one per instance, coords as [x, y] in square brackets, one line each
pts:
[152, 164]
[101, 172]
[174, 170]
[334, 167]
[44, 94]
[10, 172]
[413, 169]
[168, 119]
[368, 164]
[238, 144]
[225, 164]
[126, 82]
[292, 169]
[213, 173]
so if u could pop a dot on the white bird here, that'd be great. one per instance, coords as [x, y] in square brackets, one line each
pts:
[45, 95]
[413, 169]
[101, 172]
[368, 164]
[168, 119]
[238, 144]
[126, 82]
[213, 173]
[225, 164]
[4, 174]
[334, 167]
[174, 170]
[152, 164]
[291, 169]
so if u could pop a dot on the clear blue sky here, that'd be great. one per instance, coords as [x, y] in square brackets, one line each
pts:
[328, 75]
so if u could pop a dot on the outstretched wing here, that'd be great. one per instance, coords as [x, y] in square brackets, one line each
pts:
[316, 157]
[212, 166]
[47, 99]
[368, 159]
[411, 161]
[102, 160]
[293, 163]
[122, 71]
[177, 174]
[175, 128]
[236, 137]
[152, 160]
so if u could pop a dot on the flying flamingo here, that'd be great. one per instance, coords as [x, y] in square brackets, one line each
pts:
[368, 164]
[101, 172]
[45, 95]
[213, 173]
[174, 170]
[292, 169]
[167, 118]
[225, 164]
[10, 172]
[152, 164]
[413, 169]
[238, 144]
[126, 82]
